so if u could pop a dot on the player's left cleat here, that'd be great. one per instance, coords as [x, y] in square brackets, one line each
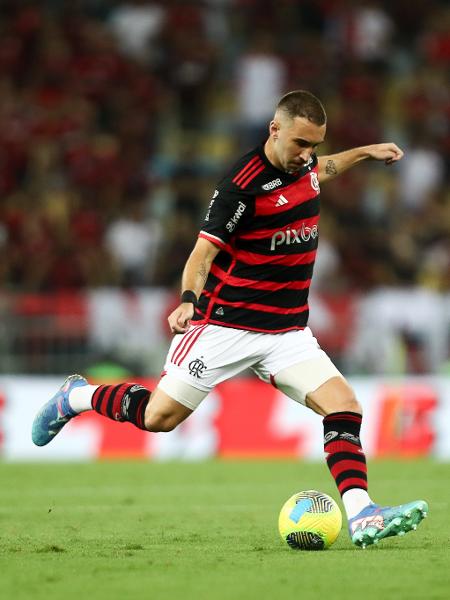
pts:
[56, 412]
[375, 523]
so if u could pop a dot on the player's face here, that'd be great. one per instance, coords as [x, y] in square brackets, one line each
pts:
[294, 140]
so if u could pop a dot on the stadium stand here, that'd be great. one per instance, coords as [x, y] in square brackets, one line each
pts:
[116, 118]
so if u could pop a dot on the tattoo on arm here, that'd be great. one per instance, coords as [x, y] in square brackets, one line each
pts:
[203, 272]
[330, 167]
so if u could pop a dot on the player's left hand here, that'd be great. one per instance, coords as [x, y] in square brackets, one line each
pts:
[389, 152]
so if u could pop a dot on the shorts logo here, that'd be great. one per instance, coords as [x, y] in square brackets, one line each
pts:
[219, 311]
[196, 368]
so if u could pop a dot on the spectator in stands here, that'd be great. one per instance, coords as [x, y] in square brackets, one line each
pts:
[134, 241]
[137, 24]
[260, 79]
[112, 88]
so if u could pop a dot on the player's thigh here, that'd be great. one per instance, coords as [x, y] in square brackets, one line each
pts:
[307, 380]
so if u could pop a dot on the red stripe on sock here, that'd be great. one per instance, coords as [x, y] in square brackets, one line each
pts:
[140, 414]
[117, 402]
[343, 417]
[342, 446]
[353, 482]
[95, 395]
[104, 403]
[347, 465]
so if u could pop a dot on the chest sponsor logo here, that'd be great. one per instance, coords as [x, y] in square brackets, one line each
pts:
[231, 225]
[272, 184]
[294, 236]
[314, 181]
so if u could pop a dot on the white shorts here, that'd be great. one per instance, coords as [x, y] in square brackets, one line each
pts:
[209, 354]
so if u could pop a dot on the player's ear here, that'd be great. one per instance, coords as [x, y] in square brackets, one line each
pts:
[274, 128]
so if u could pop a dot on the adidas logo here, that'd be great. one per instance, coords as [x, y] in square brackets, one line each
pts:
[281, 200]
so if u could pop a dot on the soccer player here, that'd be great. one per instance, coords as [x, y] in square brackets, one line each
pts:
[244, 303]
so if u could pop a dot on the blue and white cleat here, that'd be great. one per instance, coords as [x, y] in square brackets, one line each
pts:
[375, 523]
[56, 412]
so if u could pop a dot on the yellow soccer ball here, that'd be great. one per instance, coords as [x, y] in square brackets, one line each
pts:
[310, 520]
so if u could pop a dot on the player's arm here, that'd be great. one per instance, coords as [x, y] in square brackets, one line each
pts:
[194, 277]
[335, 164]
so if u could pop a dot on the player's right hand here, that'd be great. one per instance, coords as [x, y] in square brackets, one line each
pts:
[180, 319]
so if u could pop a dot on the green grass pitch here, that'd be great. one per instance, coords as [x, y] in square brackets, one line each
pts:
[137, 530]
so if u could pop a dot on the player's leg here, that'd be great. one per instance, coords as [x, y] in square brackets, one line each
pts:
[315, 382]
[55, 413]
[334, 399]
[368, 522]
[336, 402]
[171, 403]
[152, 411]
[124, 402]
[187, 381]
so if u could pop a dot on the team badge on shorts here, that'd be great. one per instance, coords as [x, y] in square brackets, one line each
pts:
[196, 368]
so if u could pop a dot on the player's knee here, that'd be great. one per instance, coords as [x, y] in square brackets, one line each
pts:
[333, 396]
[159, 422]
[346, 401]
[351, 404]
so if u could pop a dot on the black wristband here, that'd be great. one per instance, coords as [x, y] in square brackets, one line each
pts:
[189, 296]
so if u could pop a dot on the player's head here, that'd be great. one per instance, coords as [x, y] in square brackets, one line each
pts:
[297, 128]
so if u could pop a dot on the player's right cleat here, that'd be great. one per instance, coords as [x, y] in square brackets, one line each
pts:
[375, 523]
[56, 412]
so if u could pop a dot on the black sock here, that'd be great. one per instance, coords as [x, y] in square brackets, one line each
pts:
[123, 402]
[345, 457]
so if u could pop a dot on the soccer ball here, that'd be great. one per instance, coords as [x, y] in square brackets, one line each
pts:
[310, 521]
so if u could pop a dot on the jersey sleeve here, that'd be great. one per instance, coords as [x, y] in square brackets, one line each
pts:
[226, 212]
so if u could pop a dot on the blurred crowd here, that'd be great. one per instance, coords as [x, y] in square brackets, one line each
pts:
[117, 118]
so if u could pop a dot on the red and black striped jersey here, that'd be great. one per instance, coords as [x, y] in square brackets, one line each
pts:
[265, 222]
